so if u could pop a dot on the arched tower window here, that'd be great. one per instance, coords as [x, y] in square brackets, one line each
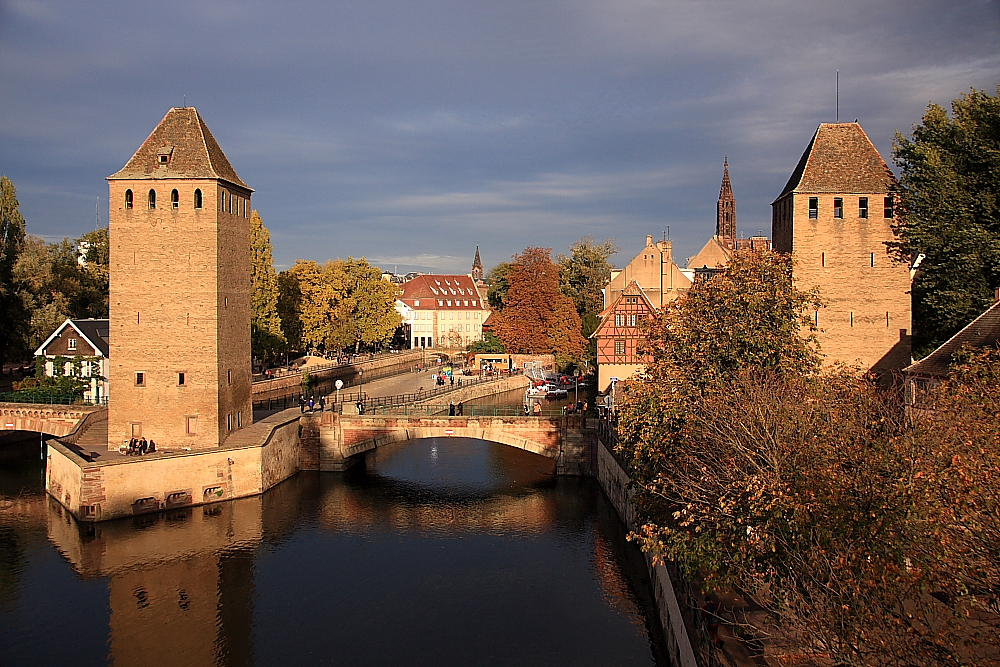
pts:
[128, 199]
[197, 198]
[175, 199]
[152, 199]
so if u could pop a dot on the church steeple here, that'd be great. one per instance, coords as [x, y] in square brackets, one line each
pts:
[477, 267]
[725, 220]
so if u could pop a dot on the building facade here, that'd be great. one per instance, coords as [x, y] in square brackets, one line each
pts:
[180, 290]
[442, 311]
[654, 270]
[834, 216]
[83, 347]
[619, 336]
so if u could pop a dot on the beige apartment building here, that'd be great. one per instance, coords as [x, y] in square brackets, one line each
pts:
[442, 311]
[834, 216]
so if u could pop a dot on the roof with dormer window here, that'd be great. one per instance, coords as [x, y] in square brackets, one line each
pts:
[189, 149]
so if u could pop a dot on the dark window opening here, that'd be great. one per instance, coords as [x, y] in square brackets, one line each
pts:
[180, 379]
[152, 199]
[175, 199]
[813, 208]
[140, 379]
[128, 199]
[838, 207]
[197, 198]
[887, 207]
[164, 159]
[862, 207]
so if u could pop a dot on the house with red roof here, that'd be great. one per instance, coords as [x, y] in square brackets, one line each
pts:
[442, 311]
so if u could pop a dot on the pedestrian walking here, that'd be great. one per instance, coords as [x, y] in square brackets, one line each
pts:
[322, 403]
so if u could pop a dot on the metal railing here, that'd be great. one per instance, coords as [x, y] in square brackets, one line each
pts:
[48, 399]
[461, 382]
[466, 411]
[352, 360]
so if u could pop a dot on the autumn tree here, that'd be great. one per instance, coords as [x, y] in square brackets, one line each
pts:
[537, 318]
[807, 488]
[11, 243]
[337, 305]
[489, 344]
[266, 337]
[56, 281]
[950, 213]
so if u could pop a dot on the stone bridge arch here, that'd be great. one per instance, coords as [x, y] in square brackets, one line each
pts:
[342, 439]
[62, 421]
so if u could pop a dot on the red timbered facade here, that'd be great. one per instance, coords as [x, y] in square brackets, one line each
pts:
[619, 335]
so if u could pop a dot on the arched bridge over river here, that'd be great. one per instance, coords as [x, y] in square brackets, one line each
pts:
[342, 438]
[57, 420]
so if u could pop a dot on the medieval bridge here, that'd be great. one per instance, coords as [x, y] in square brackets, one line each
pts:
[342, 438]
[57, 420]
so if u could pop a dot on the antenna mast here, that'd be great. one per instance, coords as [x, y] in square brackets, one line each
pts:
[97, 214]
[838, 95]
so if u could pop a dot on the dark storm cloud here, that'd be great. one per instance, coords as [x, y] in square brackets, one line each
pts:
[409, 132]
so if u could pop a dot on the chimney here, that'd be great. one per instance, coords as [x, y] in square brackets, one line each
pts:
[649, 240]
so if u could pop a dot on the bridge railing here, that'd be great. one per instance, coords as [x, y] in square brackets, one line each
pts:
[385, 402]
[467, 411]
[43, 398]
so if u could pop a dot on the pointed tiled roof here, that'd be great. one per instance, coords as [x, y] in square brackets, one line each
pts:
[632, 289]
[840, 158]
[477, 263]
[191, 149]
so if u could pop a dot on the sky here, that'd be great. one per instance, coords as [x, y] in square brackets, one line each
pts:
[409, 132]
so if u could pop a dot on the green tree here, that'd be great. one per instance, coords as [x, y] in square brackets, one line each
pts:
[496, 278]
[583, 275]
[537, 318]
[266, 337]
[490, 344]
[373, 301]
[949, 210]
[12, 313]
[290, 308]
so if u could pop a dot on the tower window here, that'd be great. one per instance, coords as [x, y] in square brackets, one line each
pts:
[128, 199]
[852, 318]
[140, 379]
[229, 422]
[229, 377]
[175, 199]
[197, 198]
[191, 425]
[838, 207]
[887, 207]
[152, 199]
[181, 379]
[822, 259]
[813, 208]
[862, 207]
[872, 258]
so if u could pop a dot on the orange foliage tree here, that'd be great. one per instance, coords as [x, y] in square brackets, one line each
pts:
[537, 318]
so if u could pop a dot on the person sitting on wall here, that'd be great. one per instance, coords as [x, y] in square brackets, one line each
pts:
[151, 447]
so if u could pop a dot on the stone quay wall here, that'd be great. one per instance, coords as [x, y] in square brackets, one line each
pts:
[615, 482]
[472, 392]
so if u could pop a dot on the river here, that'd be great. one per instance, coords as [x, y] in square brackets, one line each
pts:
[436, 552]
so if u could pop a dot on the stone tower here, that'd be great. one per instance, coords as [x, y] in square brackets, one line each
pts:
[180, 290]
[834, 216]
[725, 217]
[477, 267]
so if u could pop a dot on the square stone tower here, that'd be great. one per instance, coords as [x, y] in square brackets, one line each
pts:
[835, 215]
[180, 290]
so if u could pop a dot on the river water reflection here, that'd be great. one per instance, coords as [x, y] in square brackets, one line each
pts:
[436, 552]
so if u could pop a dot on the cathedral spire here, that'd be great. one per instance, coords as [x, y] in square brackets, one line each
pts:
[477, 267]
[725, 220]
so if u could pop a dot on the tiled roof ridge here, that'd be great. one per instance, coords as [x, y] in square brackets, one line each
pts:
[938, 361]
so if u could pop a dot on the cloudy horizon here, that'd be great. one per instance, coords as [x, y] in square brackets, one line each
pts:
[410, 133]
